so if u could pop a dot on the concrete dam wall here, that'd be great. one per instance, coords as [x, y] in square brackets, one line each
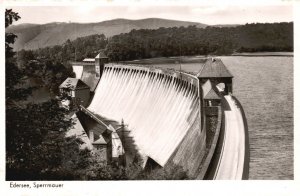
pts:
[172, 116]
[162, 109]
[87, 74]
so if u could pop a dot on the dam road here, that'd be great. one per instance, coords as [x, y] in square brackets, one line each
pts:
[231, 163]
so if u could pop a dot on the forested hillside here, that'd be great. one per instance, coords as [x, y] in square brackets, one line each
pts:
[196, 41]
[78, 49]
[175, 41]
[34, 36]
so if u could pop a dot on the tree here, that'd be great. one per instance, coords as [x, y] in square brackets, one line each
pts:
[36, 146]
[50, 73]
[39, 150]
[24, 57]
[169, 172]
[10, 17]
[13, 76]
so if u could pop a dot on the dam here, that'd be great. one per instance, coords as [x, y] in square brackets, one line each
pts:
[166, 111]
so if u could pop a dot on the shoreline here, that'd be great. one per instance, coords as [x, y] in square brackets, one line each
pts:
[262, 54]
[195, 58]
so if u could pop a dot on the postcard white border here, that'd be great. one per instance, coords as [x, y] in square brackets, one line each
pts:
[251, 187]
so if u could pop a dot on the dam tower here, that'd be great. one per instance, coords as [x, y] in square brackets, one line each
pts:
[100, 60]
[215, 71]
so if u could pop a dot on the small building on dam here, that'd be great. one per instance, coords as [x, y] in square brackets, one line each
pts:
[172, 117]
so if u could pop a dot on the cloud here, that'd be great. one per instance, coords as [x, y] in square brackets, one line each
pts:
[208, 10]
[86, 9]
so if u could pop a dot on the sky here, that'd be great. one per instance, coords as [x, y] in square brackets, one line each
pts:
[210, 15]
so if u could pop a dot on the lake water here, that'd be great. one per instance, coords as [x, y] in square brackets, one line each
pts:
[264, 86]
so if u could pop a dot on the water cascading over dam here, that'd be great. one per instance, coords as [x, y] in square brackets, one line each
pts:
[173, 117]
[162, 110]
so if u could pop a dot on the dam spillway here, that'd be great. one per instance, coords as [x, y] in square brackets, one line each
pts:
[159, 107]
[167, 112]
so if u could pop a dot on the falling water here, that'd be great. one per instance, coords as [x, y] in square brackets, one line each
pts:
[78, 70]
[158, 108]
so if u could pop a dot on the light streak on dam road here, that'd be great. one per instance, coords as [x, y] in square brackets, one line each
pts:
[166, 111]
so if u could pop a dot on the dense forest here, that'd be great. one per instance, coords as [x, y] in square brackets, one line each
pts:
[78, 49]
[175, 41]
[36, 147]
[197, 41]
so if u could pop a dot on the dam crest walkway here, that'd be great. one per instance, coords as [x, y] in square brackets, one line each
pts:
[231, 163]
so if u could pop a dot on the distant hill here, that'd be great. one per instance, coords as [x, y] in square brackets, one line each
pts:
[34, 36]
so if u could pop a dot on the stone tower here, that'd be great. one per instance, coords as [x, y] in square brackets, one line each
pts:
[100, 60]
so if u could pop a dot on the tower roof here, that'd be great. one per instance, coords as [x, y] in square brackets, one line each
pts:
[214, 68]
[208, 91]
[101, 55]
[101, 140]
[73, 83]
[212, 95]
[89, 60]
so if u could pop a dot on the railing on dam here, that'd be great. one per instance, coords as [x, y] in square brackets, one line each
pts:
[206, 163]
[93, 116]
[184, 80]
